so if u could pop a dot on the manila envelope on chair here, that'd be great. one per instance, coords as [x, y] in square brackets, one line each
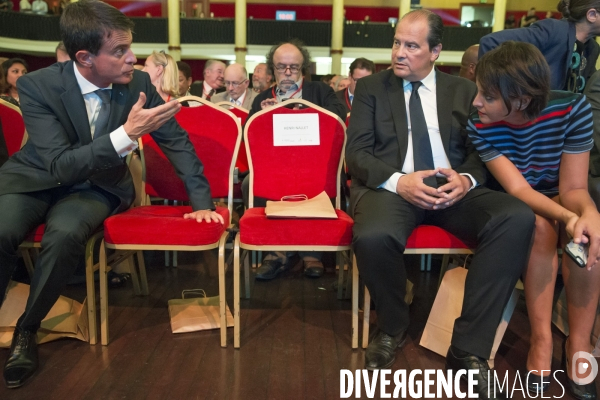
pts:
[317, 207]
[67, 318]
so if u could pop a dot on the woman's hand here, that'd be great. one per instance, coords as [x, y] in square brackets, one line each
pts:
[587, 231]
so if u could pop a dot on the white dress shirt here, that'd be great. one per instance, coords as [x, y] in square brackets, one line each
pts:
[119, 138]
[240, 100]
[428, 95]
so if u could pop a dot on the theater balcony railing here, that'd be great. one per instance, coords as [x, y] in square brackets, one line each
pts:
[204, 38]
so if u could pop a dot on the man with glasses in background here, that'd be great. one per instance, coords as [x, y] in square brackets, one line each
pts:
[236, 87]
[290, 61]
[359, 68]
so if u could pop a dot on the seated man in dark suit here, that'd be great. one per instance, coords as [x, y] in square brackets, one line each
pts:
[83, 117]
[412, 163]
[288, 60]
[213, 80]
[359, 68]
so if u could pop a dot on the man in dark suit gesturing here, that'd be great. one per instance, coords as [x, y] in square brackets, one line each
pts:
[83, 117]
[411, 163]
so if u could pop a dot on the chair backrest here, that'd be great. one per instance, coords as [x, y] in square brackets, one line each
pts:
[279, 169]
[242, 161]
[13, 127]
[216, 135]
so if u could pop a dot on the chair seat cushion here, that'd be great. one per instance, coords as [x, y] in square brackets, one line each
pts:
[36, 234]
[431, 237]
[257, 229]
[162, 225]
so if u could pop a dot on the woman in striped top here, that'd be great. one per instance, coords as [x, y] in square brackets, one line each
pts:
[536, 143]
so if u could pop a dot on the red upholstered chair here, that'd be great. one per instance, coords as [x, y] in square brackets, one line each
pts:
[13, 127]
[425, 239]
[34, 242]
[277, 171]
[216, 135]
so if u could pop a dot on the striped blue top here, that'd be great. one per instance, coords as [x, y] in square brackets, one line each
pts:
[535, 148]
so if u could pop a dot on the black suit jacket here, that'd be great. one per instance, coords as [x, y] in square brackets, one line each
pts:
[315, 92]
[341, 95]
[378, 130]
[197, 89]
[60, 150]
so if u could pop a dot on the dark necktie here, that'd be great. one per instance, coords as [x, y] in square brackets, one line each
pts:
[422, 155]
[210, 94]
[101, 125]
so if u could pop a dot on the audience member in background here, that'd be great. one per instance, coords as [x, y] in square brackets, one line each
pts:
[6, 5]
[568, 45]
[213, 80]
[549, 15]
[236, 85]
[342, 83]
[262, 78]
[39, 7]
[83, 117]
[326, 79]
[359, 68]
[13, 69]
[529, 137]
[469, 62]
[184, 77]
[163, 74]
[24, 6]
[334, 80]
[529, 18]
[287, 60]
[61, 53]
[510, 23]
[412, 163]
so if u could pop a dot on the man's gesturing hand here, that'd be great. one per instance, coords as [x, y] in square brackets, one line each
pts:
[141, 121]
[412, 189]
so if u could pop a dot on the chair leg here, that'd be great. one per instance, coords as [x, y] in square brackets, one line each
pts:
[253, 258]
[340, 268]
[247, 279]
[222, 298]
[366, 316]
[259, 259]
[103, 296]
[28, 262]
[175, 259]
[143, 277]
[91, 290]
[422, 262]
[134, 276]
[428, 262]
[236, 292]
[354, 303]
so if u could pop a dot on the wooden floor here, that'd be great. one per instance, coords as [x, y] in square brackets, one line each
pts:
[295, 340]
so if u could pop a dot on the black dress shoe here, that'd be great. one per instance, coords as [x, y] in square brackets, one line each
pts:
[381, 352]
[313, 269]
[22, 361]
[581, 392]
[269, 269]
[457, 359]
[536, 385]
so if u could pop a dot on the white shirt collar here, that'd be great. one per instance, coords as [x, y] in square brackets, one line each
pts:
[428, 82]
[86, 86]
[294, 87]
[241, 98]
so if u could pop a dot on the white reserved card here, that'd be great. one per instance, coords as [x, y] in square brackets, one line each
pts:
[296, 130]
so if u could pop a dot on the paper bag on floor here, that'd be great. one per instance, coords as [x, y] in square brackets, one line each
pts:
[67, 318]
[447, 306]
[196, 314]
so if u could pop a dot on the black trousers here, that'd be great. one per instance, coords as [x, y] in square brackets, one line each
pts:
[71, 216]
[497, 225]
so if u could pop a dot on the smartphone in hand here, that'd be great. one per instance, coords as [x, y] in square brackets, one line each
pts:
[578, 252]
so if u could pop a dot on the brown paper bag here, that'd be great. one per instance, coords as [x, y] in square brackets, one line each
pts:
[196, 314]
[67, 318]
[447, 306]
[317, 207]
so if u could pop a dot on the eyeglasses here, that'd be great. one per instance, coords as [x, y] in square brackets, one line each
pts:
[294, 69]
[234, 84]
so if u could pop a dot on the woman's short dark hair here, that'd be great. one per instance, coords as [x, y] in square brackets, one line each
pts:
[85, 24]
[306, 61]
[576, 10]
[5, 67]
[514, 70]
